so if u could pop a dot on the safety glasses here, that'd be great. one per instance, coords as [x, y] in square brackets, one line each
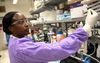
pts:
[20, 22]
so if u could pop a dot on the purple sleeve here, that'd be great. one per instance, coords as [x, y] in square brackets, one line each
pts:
[42, 52]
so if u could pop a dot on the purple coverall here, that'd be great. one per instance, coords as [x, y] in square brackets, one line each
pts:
[24, 50]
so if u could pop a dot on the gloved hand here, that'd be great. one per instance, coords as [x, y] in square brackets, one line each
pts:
[91, 20]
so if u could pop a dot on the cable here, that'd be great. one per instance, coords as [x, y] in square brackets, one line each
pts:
[94, 49]
[91, 57]
[77, 58]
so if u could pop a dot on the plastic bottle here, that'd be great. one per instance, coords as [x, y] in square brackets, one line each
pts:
[59, 35]
[54, 38]
[98, 51]
[81, 24]
[98, 24]
[50, 34]
[35, 35]
[70, 30]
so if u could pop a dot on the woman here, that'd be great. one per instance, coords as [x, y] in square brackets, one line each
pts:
[24, 50]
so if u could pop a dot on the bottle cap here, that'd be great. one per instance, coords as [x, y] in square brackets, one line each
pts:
[59, 32]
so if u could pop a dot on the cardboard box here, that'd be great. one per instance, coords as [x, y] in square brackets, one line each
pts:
[70, 1]
[76, 10]
[73, 1]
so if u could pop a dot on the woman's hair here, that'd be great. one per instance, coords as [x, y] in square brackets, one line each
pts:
[6, 22]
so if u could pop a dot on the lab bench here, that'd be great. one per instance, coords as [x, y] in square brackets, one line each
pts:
[73, 60]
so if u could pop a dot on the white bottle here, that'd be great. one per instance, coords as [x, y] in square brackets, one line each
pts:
[59, 35]
[81, 24]
[50, 34]
[98, 24]
[35, 36]
[98, 51]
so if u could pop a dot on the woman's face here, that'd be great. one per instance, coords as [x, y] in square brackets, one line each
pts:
[20, 27]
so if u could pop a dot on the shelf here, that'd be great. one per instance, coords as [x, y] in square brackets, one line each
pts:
[54, 2]
[36, 22]
[96, 28]
[60, 21]
[46, 6]
[67, 20]
[40, 9]
[32, 18]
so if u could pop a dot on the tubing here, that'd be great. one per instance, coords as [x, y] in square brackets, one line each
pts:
[91, 57]
[94, 49]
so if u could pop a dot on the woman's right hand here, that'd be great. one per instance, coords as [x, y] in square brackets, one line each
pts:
[91, 20]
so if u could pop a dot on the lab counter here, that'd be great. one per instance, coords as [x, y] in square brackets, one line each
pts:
[73, 60]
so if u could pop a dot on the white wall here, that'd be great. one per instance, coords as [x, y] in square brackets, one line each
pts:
[22, 6]
[2, 39]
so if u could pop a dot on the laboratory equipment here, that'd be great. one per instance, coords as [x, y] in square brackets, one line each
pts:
[50, 34]
[98, 51]
[59, 35]
[83, 48]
